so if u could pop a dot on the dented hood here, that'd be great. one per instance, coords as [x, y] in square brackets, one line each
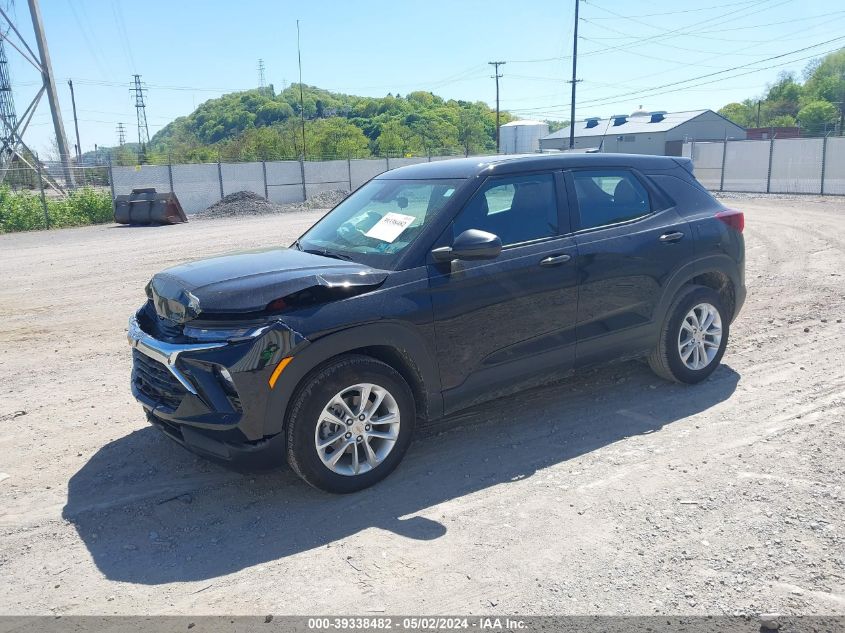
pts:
[247, 282]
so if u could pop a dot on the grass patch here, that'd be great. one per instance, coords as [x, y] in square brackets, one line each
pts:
[23, 211]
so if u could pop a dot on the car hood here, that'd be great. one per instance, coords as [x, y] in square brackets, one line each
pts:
[247, 282]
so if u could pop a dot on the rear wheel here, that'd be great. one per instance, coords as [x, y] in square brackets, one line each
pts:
[350, 424]
[693, 338]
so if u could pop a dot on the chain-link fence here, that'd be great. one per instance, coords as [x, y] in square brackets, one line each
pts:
[795, 165]
[20, 176]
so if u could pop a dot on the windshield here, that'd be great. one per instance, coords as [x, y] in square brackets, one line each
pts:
[380, 220]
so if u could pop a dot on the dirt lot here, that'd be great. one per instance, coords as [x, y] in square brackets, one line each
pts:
[613, 492]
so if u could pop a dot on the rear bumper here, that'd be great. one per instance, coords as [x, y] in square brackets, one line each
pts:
[740, 293]
[210, 394]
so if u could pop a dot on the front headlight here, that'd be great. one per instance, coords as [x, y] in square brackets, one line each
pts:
[222, 333]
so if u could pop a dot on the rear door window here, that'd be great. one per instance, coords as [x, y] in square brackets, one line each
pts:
[609, 197]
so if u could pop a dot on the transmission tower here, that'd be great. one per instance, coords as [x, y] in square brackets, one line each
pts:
[141, 112]
[7, 106]
[12, 127]
[261, 73]
[121, 135]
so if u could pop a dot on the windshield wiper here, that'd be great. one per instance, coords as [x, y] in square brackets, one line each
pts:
[327, 253]
[297, 245]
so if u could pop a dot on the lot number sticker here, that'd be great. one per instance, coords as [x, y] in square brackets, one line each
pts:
[390, 227]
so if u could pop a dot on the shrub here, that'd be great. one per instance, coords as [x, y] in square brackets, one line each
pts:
[23, 211]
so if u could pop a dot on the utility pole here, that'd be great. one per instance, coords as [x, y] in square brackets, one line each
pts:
[758, 113]
[75, 122]
[301, 97]
[121, 135]
[574, 80]
[141, 114]
[497, 76]
[50, 87]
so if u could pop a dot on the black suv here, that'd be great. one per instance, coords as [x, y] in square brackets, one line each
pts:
[431, 288]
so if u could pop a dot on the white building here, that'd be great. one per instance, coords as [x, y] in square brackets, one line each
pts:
[522, 137]
[659, 133]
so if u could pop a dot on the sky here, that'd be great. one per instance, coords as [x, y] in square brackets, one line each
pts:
[673, 56]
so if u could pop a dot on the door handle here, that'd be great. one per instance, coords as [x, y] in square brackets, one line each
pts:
[674, 236]
[554, 260]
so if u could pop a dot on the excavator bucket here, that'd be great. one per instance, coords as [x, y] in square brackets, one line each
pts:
[147, 206]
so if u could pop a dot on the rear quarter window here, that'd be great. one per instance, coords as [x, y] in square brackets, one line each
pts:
[688, 197]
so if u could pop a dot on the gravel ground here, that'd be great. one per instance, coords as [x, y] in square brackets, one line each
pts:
[610, 493]
[246, 203]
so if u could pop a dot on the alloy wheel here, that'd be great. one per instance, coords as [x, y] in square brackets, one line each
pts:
[700, 336]
[357, 429]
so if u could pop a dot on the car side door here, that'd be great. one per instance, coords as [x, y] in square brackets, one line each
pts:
[498, 321]
[630, 240]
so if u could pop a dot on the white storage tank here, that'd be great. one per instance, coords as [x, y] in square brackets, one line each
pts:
[522, 137]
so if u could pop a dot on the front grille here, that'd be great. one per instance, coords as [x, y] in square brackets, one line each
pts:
[156, 382]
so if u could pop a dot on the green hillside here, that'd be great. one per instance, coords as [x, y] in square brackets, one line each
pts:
[262, 125]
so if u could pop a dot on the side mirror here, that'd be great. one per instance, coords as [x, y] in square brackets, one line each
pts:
[472, 244]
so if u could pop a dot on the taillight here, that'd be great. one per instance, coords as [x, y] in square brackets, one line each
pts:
[733, 218]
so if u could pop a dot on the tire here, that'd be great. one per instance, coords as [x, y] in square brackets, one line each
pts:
[666, 360]
[316, 415]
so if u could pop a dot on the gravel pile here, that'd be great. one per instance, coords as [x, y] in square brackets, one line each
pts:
[238, 204]
[322, 200]
[244, 203]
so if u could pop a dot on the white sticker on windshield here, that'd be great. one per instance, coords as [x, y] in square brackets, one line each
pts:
[390, 227]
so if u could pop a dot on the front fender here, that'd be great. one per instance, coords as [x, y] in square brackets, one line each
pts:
[399, 336]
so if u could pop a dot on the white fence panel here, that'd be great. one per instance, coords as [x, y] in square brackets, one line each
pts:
[196, 186]
[126, 179]
[366, 168]
[242, 177]
[403, 162]
[797, 165]
[746, 165]
[327, 175]
[284, 181]
[834, 169]
[707, 158]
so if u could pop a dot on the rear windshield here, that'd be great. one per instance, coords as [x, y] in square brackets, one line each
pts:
[379, 221]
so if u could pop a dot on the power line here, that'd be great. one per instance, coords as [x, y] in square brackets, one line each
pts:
[684, 30]
[605, 100]
[662, 13]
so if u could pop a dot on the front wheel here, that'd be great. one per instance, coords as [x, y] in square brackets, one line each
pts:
[693, 338]
[350, 424]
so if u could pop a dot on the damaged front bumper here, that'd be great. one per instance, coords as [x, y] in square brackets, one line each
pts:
[211, 397]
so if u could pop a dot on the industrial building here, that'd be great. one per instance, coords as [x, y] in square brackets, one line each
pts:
[641, 132]
[522, 137]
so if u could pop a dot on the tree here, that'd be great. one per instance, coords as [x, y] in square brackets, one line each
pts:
[784, 120]
[740, 113]
[816, 116]
[471, 132]
[391, 140]
[335, 137]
